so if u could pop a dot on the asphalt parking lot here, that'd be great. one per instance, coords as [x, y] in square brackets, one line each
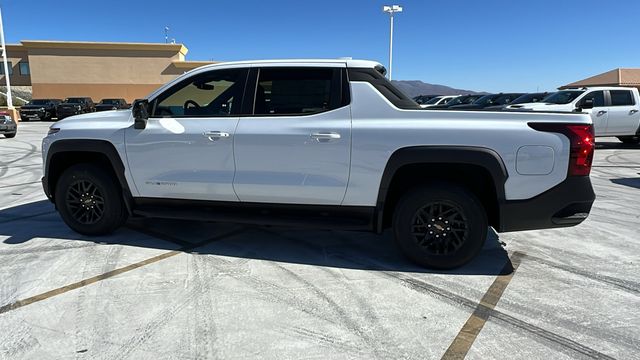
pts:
[185, 290]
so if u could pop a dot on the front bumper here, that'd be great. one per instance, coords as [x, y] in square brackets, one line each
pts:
[566, 204]
[62, 113]
[32, 114]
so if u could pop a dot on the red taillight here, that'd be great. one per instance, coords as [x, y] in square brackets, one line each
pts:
[581, 138]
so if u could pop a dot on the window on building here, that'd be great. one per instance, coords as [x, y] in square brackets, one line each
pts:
[288, 91]
[24, 68]
[9, 64]
[621, 98]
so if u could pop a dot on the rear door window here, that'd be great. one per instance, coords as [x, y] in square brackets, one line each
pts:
[621, 98]
[296, 91]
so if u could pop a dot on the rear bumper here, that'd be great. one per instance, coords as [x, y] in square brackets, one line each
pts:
[8, 129]
[566, 204]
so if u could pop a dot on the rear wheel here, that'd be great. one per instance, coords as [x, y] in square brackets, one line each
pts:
[629, 139]
[440, 226]
[89, 201]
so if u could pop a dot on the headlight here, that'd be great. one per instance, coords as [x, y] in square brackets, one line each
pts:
[53, 130]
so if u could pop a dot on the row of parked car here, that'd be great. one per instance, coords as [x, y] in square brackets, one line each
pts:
[472, 102]
[615, 111]
[47, 109]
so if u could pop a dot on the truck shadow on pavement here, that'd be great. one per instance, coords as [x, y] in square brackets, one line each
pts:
[631, 182]
[337, 249]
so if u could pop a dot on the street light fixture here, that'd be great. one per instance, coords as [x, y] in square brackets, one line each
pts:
[391, 9]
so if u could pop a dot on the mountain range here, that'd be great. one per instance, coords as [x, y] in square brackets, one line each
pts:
[414, 88]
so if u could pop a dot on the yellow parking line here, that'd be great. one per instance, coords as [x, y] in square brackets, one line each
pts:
[469, 332]
[112, 273]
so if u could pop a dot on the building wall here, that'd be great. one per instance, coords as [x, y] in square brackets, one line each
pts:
[130, 73]
[98, 70]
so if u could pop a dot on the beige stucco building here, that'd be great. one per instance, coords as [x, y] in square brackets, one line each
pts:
[60, 69]
[615, 77]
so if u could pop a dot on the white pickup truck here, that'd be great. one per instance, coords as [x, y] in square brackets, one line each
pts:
[615, 111]
[322, 143]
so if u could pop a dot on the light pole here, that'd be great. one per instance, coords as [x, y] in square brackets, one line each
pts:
[5, 65]
[391, 9]
[166, 34]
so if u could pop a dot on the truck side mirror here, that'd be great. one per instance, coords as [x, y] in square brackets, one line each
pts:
[140, 111]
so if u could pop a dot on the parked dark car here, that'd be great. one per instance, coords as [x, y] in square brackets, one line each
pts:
[111, 104]
[488, 101]
[8, 126]
[460, 100]
[422, 99]
[530, 98]
[39, 109]
[74, 106]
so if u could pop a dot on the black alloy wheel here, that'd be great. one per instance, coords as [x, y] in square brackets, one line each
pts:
[440, 228]
[440, 225]
[85, 202]
[90, 199]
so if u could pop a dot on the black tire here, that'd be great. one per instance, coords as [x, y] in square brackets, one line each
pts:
[440, 226]
[11, 135]
[89, 200]
[630, 140]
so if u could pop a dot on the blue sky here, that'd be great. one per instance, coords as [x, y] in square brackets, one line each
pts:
[489, 45]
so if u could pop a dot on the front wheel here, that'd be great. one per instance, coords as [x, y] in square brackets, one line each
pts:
[630, 140]
[10, 135]
[440, 226]
[89, 201]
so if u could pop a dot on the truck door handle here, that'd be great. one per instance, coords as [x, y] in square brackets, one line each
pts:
[601, 112]
[633, 112]
[215, 135]
[325, 136]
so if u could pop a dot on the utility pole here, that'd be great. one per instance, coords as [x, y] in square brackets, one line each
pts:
[5, 64]
[391, 9]
[166, 34]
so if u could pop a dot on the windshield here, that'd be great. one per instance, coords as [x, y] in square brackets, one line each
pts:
[463, 100]
[563, 97]
[109, 101]
[505, 99]
[422, 99]
[38, 102]
[434, 100]
[459, 100]
[527, 98]
[74, 100]
[486, 100]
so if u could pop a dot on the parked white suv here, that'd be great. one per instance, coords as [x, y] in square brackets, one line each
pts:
[322, 143]
[615, 111]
